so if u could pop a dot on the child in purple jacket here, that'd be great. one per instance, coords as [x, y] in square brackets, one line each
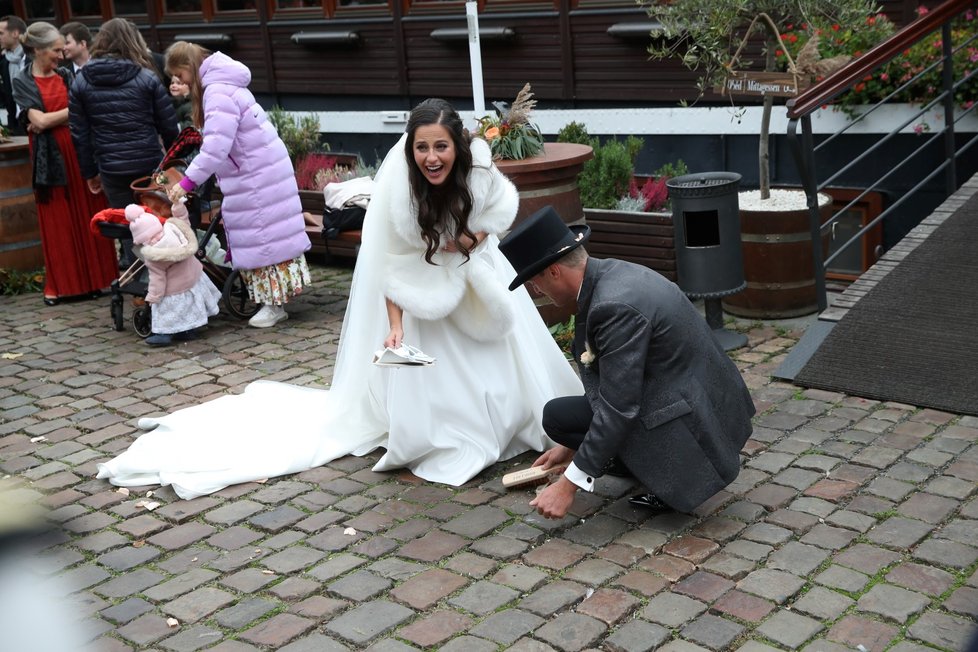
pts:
[262, 214]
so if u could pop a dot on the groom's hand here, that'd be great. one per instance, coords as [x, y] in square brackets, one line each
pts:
[555, 500]
[556, 456]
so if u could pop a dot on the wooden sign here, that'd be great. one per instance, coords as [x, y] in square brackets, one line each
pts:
[778, 84]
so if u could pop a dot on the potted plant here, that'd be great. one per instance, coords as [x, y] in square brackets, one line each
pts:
[629, 216]
[544, 173]
[709, 37]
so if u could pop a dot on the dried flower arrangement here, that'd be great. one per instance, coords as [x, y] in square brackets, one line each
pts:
[510, 134]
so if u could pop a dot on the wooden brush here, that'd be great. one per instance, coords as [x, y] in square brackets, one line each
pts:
[531, 476]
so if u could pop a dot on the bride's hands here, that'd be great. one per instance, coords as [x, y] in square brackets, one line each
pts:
[394, 338]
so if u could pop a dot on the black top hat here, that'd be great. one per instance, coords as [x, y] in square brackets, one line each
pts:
[538, 241]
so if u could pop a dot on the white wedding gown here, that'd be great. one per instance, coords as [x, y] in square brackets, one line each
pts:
[480, 402]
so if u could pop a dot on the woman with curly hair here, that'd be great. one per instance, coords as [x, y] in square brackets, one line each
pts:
[429, 273]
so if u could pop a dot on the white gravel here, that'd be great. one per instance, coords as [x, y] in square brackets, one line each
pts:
[780, 200]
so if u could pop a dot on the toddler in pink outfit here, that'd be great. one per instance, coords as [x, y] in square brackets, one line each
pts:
[181, 296]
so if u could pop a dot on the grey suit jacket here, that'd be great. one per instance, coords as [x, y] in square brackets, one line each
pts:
[667, 399]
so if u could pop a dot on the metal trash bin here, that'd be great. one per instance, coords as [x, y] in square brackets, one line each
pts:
[709, 259]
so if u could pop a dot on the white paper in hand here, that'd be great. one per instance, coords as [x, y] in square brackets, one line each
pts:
[404, 355]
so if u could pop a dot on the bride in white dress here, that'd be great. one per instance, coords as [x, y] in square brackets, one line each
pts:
[479, 403]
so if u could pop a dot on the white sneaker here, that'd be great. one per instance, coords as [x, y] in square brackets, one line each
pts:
[268, 316]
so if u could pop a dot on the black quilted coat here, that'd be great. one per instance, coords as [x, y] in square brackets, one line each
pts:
[118, 111]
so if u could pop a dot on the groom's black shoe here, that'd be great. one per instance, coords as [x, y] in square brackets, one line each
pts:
[649, 501]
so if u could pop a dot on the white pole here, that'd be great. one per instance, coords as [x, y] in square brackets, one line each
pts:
[475, 59]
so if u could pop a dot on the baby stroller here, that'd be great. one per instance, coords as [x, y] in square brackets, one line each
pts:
[152, 192]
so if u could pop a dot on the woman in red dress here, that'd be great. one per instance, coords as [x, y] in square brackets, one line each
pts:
[76, 261]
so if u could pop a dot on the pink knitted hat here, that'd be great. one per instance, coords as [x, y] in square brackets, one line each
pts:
[144, 228]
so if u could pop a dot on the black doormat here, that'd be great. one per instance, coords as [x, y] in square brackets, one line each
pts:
[914, 337]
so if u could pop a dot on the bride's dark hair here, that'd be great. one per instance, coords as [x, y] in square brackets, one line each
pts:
[444, 208]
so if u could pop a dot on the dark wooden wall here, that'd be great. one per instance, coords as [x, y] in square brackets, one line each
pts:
[561, 47]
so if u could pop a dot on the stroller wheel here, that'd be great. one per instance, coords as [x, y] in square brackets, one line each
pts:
[142, 320]
[236, 298]
[116, 311]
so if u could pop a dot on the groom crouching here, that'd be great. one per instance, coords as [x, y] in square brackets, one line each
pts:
[662, 399]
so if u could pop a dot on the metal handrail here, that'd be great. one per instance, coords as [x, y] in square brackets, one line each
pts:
[801, 108]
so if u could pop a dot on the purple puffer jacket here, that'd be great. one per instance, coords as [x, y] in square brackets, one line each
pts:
[261, 210]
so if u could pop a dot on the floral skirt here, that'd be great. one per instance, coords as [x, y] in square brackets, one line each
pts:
[276, 284]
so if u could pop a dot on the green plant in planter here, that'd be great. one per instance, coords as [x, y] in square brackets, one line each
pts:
[606, 177]
[705, 35]
[300, 135]
[14, 281]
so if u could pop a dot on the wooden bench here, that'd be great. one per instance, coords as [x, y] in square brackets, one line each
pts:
[346, 245]
[641, 238]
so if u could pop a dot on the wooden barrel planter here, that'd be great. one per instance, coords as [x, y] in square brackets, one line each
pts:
[778, 264]
[20, 234]
[550, 178]
[546, 179]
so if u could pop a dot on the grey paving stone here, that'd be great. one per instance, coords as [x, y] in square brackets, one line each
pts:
[851, 520]
[765, 533]
[866, 559]
[637, 636]
[336, 565]
[126, 610]
[949, 632]
[597, 530]
[756, 646]
[748, 549]
[507, 626]
[789, 629]
[123, 559]
[672, 610]
[594, 572]
[553, 597]
[500, 547]
[368, 620]
[893, 602]
[728, 566]
[180, 584]
[477, 522]
[946, 553]
[129, 583]
[571, 631]
[396, 569]
[146, 629]
[233, 512]
[840, 577]
[359, 586]
[897, 532]
[192, 639]
[483, 597]
[823, 604]
[519, 577]
[797, 558]
[202, 602]
[771, 584]
[712, 631]
[317, 642]
[468, 644]
[292, 559]
[244, 613]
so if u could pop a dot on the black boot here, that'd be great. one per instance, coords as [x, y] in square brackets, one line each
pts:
[650, 502]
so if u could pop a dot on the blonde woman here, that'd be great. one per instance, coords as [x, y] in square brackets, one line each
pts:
[76, 262]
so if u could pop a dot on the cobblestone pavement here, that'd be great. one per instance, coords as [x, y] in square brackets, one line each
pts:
[853, 524]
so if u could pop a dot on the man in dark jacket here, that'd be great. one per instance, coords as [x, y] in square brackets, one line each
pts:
[11, 61]
[662, 403]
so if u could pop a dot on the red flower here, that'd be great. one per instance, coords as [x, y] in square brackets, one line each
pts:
[835, 27]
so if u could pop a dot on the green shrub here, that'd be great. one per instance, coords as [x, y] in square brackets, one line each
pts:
[300, 135]
[575, 132]
[13, 281]
[606, 177]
